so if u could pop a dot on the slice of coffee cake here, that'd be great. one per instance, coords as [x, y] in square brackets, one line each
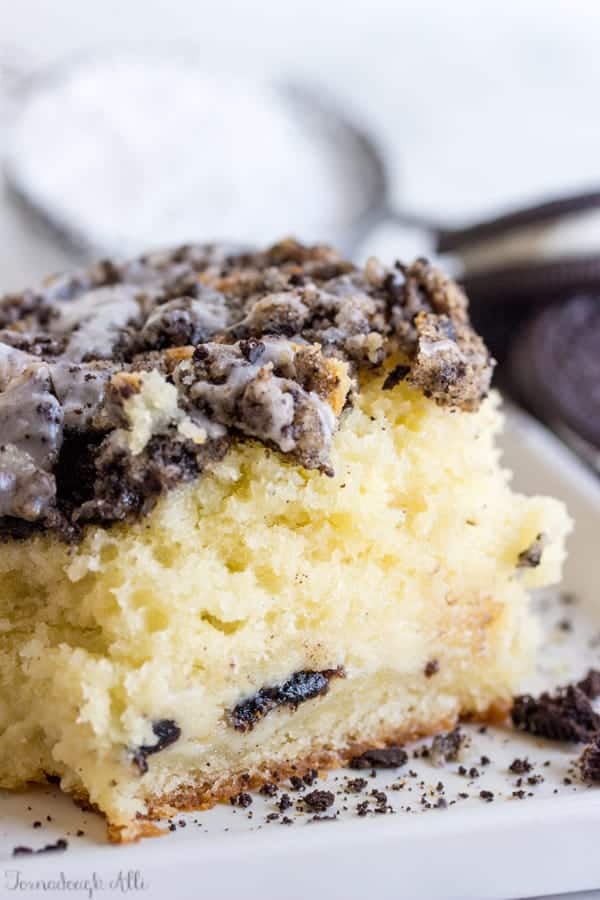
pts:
[253, 520]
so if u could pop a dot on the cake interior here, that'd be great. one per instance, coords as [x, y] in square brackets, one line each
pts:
[402, 579]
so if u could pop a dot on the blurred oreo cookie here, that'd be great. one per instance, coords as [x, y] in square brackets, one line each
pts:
[554, 366]
[503, 299]
[533, 280]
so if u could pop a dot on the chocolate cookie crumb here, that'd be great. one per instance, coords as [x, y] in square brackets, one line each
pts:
[381, 802]
[566, 715]
[488, 796]
[303, 685]
[269, 789]
[297, 783]
[319, 801]
[58, 847]
[285, 802]
[590, 685]
[432, 668]
[395, 377]
[446, 747]
[310, 777]
[535, 779]
[356, 785]
[531, 557]
[243, 799]
[589, 762]
[167, 731]
[384, 758]
[520, 766]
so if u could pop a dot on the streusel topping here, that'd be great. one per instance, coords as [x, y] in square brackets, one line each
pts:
[118, 382]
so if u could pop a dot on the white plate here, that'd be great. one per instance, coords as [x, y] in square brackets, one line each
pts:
[543, 844]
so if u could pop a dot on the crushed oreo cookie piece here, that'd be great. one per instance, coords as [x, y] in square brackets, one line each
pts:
[269, 789]
[432, 668]
[167, 732]
[356, 785]
[394, 377]
[318, 801]
[520, 766]
[302, 686]
[242, 800]
[535, 779]
[531, 557]
[589, 762]
[566, 715]
[58, 847]
[285, 802]
[385, 758]
[446, 747]
[590, 685]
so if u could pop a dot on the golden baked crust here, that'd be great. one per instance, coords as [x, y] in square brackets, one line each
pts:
[206, 794]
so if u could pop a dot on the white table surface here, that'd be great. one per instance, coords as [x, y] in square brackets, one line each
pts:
[476, 104]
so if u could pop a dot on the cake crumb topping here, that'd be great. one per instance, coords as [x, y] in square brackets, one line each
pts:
[122, 380]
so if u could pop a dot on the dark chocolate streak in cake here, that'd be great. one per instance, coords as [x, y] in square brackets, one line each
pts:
[167, 732]
[302, 686]
[248, 340]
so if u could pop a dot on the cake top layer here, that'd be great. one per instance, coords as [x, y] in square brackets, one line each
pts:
[122, 380]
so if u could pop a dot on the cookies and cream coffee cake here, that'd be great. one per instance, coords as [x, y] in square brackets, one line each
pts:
[253, 520]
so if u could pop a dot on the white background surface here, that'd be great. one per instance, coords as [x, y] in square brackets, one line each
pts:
[475, 103]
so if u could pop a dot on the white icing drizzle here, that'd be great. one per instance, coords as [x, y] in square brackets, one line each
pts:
[95, 321]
